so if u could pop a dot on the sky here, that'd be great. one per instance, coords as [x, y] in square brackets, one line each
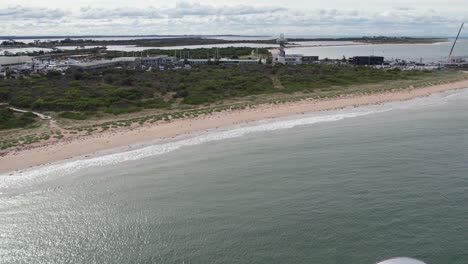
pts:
[237, 17]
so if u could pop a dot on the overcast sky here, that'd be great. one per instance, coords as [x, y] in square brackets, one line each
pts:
[246, 17]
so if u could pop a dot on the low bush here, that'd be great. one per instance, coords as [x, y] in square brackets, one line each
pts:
[9, 120]
[72, 115]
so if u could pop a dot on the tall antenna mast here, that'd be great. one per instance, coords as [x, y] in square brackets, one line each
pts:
[455, 42]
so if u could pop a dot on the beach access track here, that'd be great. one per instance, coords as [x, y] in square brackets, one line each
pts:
[41, 116]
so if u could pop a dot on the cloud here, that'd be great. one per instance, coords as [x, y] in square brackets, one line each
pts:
[13, 12]
[119, 12]
[196, 18]
[182, 9]
[403, 8]
[197, 9]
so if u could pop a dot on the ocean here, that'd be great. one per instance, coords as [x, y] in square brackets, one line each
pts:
[355, 185]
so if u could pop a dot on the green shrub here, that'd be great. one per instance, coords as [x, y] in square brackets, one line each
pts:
[156, 103]
[72, 115]
[8, 119]
[122, 110]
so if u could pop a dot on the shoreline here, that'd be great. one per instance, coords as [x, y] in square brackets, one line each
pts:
[107, 141]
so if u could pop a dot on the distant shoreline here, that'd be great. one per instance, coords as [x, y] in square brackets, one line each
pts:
[176, 40]
[89, 145]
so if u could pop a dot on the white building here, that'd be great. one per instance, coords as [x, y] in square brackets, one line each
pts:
[157, 60]
[293, 59]
[280, 56]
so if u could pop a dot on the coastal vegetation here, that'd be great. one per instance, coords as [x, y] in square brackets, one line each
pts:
[310, 78]
[73, 115]
[119, 91]
[9, 120]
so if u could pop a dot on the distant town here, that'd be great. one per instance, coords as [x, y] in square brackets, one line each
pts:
[23, 63]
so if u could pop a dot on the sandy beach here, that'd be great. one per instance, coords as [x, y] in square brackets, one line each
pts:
[95, 143]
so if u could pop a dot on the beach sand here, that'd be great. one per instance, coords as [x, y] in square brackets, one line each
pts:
[88, 145]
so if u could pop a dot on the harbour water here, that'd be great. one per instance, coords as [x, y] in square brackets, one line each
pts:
[411, 52]
[356, 185]
[427, 53]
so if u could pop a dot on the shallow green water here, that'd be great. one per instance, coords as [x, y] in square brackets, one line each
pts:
[358, 190]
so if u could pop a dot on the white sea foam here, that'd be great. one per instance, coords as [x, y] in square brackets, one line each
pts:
[29, 177]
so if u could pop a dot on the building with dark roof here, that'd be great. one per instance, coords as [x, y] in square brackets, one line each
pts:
[367, 60]
[310, 59]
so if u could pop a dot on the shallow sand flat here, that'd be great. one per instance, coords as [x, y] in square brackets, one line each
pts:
[16, 160]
